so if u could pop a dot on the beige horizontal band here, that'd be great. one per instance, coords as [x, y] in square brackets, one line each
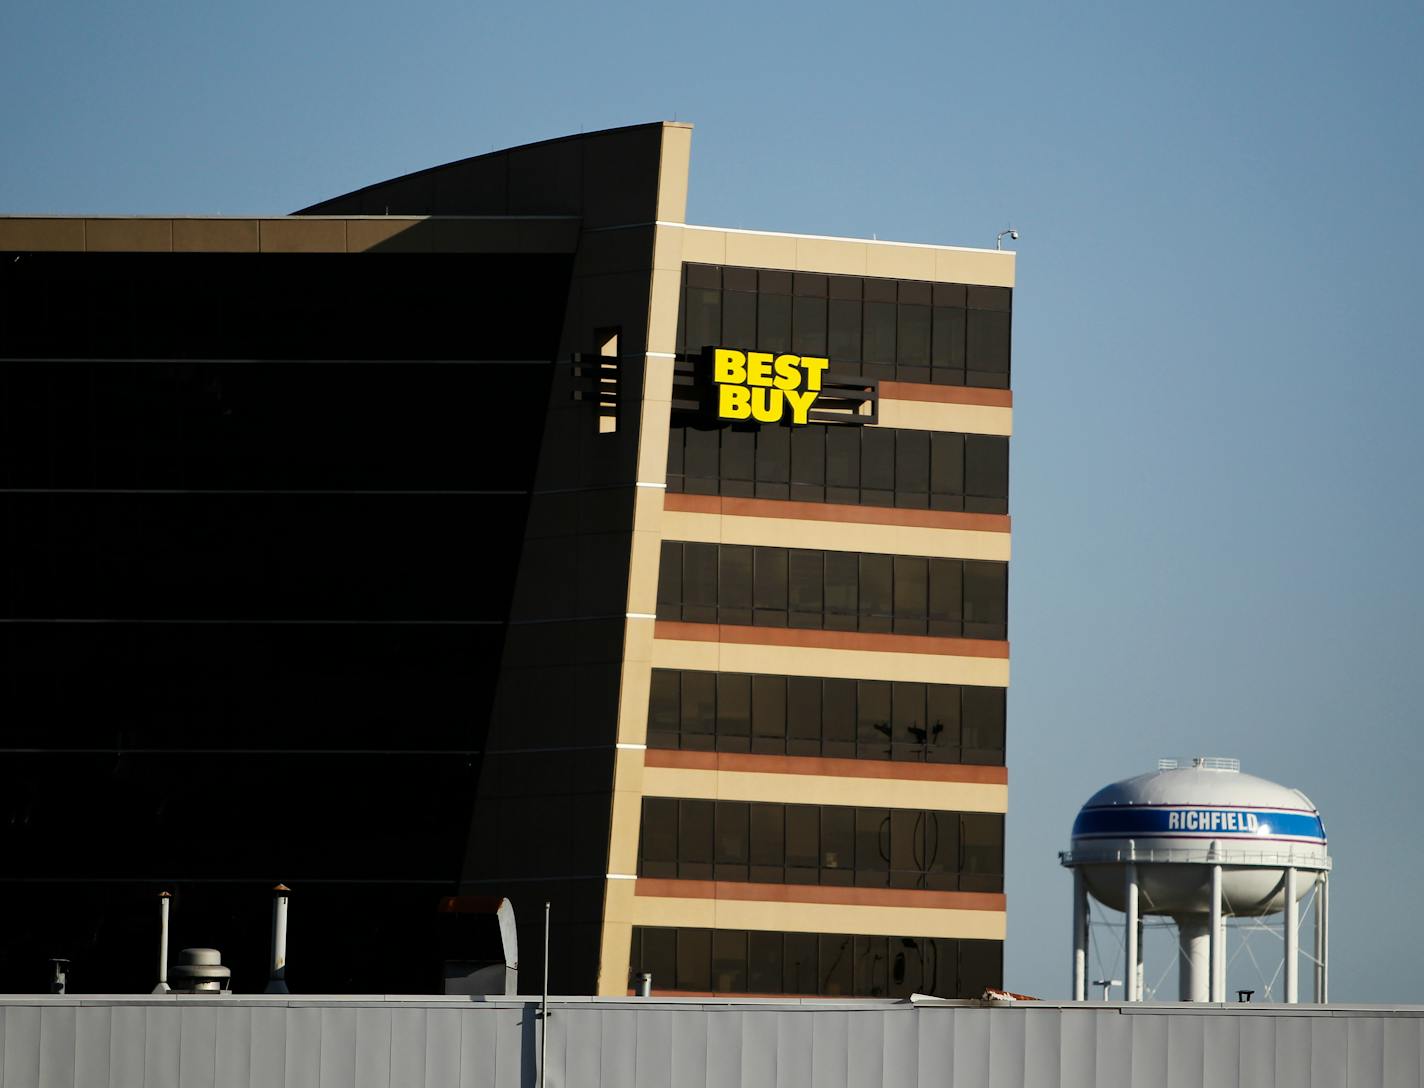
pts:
[927, 415]
[846, 256]
[806, 789]
[293, 234]
[839, 536]
[800, 917]
[860, 664]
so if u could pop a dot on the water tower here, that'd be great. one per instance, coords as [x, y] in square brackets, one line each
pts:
[1198, 842]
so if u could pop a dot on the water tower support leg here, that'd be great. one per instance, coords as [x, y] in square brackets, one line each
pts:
[1194, 939]
[1218, 939]
[1319, 939]
[1080, 936]
[1325, 940]
[1139, 973]
[1133, 953]
[1292, 964]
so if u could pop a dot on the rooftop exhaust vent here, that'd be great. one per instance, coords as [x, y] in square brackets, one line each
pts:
[200, 971]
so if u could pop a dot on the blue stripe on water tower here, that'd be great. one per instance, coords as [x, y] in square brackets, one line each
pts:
[1127, 821]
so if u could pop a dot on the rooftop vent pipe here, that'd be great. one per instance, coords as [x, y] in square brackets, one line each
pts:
[164, 901]
[277, 980]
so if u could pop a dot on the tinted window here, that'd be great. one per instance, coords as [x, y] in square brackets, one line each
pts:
[870, 466]
[835, 718]
[906, 330]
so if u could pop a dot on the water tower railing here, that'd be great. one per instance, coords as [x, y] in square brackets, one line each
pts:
[1232, 857]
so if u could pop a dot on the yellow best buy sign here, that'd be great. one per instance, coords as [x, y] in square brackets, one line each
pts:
[765, 387]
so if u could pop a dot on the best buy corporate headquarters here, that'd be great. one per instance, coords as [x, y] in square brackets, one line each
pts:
[492, 531]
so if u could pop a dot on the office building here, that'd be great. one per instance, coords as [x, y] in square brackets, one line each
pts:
[462, 537]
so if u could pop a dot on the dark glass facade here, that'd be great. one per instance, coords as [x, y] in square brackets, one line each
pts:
[870, 466]
[773, 843]
[248, 505]
[734, 961]
[903, 330]
[827, 717]
[833, 591]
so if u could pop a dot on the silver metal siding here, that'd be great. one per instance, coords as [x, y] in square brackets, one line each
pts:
[1326, 1045]
[653, 1061]
[971, 1047]
[829, 1050]
[1006, 1050]
[759, 1034]
[436, 1043]
[1114, 1052]
[689, 1050]
[1043, 1049]
[794, 1052]
[267, 1047]
[1149, 1049]
[1403, 1052]
[1186, 1040]
[232, 1049]
[91, 1047]
[724, 1049]
[22, 1046]
[373, 1048]
[1077, 1048]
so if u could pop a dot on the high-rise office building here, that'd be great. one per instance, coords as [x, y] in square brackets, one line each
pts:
[493, 531]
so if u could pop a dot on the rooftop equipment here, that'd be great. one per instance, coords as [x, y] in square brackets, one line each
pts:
[200, 971]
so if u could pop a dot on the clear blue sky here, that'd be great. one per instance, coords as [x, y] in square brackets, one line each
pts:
[1216, 488]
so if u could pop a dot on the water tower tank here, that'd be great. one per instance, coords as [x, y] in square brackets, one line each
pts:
[1197, 841]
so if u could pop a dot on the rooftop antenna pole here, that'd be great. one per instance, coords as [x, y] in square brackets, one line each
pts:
[164, 899]
[544, 1006]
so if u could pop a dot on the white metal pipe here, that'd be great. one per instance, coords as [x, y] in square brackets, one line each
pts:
[1292, 952]
[1080, 936]
[1218, 939]
[1133, 953]
[277, 980]
[1194, 971]
[164, 899]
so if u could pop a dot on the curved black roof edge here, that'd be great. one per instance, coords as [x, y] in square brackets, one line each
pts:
[315, 209]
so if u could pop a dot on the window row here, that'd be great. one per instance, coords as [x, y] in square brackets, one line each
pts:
[735, 961]
[287, 306]
[243, 426]
[182, 555]
[904, 330]
[870, 466]
[773, 843]
[833, 591]
[834, 718]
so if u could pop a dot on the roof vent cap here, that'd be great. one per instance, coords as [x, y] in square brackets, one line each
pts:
[200, 971]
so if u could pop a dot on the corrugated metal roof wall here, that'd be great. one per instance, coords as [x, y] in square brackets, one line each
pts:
[244, 1042]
